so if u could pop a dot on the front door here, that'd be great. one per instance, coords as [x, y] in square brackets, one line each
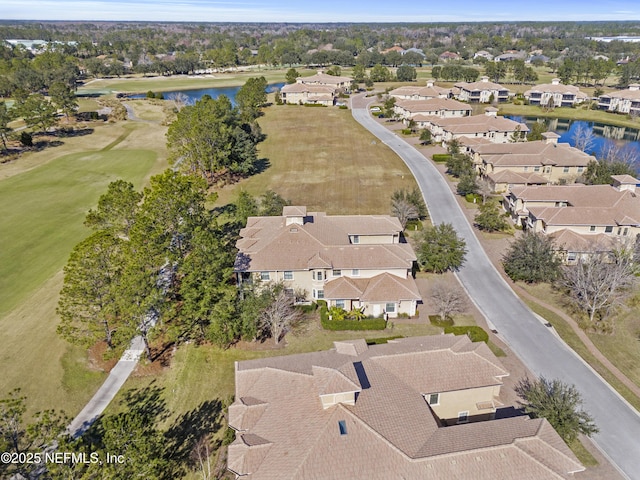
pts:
[377, 309]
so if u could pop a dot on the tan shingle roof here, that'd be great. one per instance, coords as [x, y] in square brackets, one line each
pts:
[304, 88]
[571, 241]
[268, 244]
[533, 153]
[425, 92]
[480, 85]
[479, 124]
[391, 432]
[383, 287]
[556, 88]
[432, 105]
[517, 178]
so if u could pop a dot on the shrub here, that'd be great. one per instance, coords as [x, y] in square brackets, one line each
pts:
[441, 157]
[473, 197]
[406, 131]
[475, 333]
[366, 324]
[26, 139]
[150, 94]
[313, 105]
[343, 107]
[437, 321]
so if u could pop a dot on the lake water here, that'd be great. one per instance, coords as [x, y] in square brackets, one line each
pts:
[197, 94]
[627, 138]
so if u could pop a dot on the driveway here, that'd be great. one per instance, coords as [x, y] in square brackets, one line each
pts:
[539, 349]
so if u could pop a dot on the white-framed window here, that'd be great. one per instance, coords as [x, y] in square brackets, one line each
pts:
[580, 169]
[355, 272]
[289, 292]
[288, 275]
[433, 399]
[608, 229]
[536, 169]
[565, 170]
[463, 417]
[571, 256]
[356, 239]
[319, 275]
[320, 294]
[390, 307]
[592, 228]
[265, 276]
[625, 231]
[526, 169]
[340, 304]
[336, 273]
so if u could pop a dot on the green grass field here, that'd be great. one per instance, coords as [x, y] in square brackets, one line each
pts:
[324, 159]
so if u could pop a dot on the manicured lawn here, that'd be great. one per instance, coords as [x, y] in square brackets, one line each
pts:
[597, 116]
[322, 158]
[178, 82]
[46, 195]
[44, 211]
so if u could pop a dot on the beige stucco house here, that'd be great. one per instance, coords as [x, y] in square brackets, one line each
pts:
[533, 163]
[439, 107]
[623, 101]
[488, 127]
[555, 94]
[482, 91]
[320, 89]
[350, 261]
[601, 214]
[414, 92]
[421, 407]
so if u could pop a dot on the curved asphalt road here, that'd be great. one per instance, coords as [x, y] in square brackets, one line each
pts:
[540, 350]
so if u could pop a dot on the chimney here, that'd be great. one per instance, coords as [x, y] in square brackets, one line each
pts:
[430, 82]
[550, 138]
[555, 81]
[484, 79]
[491, 111]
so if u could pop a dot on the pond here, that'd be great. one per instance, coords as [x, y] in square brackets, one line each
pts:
[628, 139]
[215, 92]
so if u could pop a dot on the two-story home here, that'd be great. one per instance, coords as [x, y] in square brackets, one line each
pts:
[590, 211]
[320, 89]
[488, 127]
[482, 91]
[439, 107]
[411, 92]
[539, 162]
[350, 261]
[421, 407]
[555, 94]
[624, 101]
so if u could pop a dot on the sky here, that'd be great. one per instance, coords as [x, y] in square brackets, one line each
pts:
[320, 10]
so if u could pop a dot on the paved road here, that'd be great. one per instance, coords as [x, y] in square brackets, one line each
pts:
[541, 351]
[108, 390]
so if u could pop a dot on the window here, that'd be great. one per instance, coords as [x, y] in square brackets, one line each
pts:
[434, 399]
[592, 228]
[320, 294]
[289, 292]
[319, 275]
[571, 256]
[340, 304]
[565, 170]
[356, 239]
[288, 275]
[619, 230]
[336, 273]
[265, 276]
[342, 426]
[608, 229]
[526, 169]
[355, 272]
[625, 231]
[463, 417]
[536, 169]
[390, 308]
[580, 169]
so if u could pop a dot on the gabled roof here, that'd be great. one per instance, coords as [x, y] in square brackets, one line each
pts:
[432, 105]
[517, 178]
[321, 241]
[383, 287]
[480, 86]
[478, 124]
[556, 87]
[390, 431]
[538, 152]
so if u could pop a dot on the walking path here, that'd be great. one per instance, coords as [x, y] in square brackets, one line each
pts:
[539, 349]
[108, 390]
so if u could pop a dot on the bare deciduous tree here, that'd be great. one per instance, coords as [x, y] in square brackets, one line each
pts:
[448, 299]
[613, 152]
[404, 210]
[584, 137]
[484, 188]
[201, 455]
[600, 281]
[180, 100]
[280, 315]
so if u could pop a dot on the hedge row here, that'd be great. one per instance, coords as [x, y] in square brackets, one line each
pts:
[365, 324]
[475, 333]
[440, 157]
